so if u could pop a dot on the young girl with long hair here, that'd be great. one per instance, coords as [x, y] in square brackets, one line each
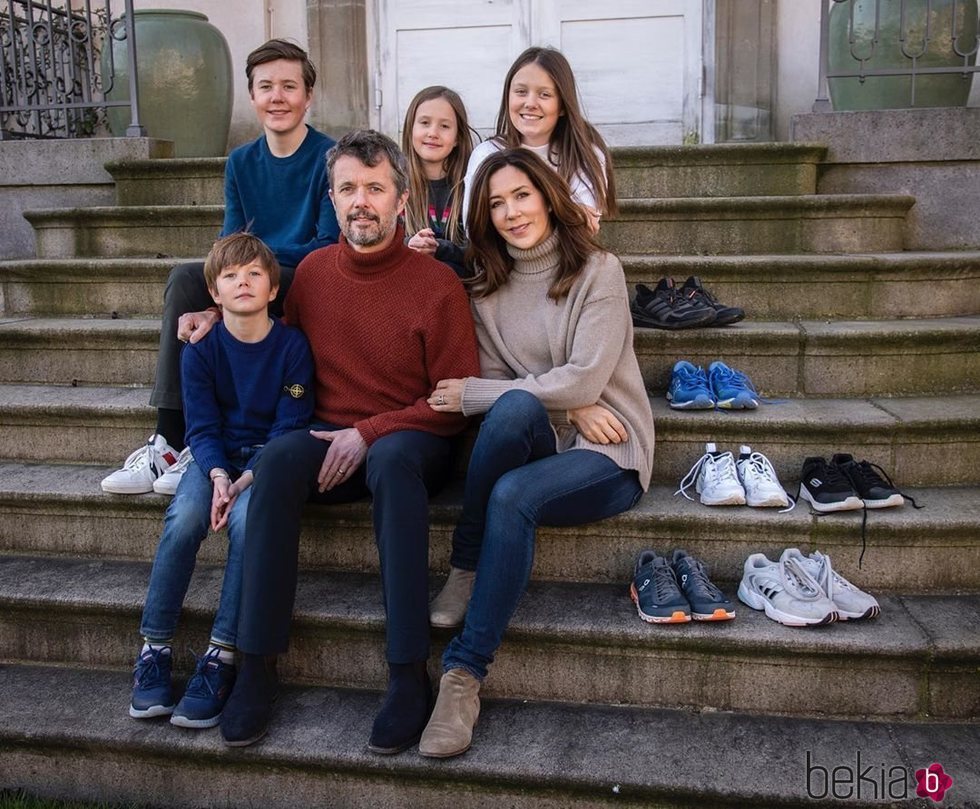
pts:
[568, 433]
[540, 111]
[437, 141]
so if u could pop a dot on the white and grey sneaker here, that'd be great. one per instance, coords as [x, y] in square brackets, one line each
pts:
[168, 482]
[852, 603]
[141, 468]
[714, 478]
[788, 594]
[759, 479]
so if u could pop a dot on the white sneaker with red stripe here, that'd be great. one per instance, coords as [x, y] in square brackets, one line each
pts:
[142, 468]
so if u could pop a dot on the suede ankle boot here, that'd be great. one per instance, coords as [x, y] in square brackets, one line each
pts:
[450, 730]
[448, 609]
[405, 709]
[246, 714]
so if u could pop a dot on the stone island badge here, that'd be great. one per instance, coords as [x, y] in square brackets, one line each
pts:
[296, 391]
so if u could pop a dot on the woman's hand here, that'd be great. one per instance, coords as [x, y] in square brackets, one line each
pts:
[424, 241]
[598, 425]
[448, 396]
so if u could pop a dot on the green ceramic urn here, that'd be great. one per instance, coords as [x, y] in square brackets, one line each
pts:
[185, 80]
[951, 42]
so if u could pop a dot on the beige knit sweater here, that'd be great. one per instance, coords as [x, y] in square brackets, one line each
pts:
[576, 352]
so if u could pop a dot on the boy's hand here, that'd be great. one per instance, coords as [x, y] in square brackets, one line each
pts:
[192, 326]
[222, 499]
[598, 425]
[346, 453]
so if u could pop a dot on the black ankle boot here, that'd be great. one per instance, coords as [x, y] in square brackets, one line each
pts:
[405, 709]
[246, 715]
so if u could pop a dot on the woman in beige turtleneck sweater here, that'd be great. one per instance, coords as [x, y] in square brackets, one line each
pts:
[568, 433]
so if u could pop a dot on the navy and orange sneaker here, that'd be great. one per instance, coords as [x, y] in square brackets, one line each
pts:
[655, 592]
[708, 603]
[206, 694]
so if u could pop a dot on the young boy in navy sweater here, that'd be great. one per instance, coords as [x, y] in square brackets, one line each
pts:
[247, 382]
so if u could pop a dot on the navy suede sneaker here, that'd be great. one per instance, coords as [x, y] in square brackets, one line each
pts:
[206, 694]
[708, 603]
[248, 710]
[153, 691]
[655, 592]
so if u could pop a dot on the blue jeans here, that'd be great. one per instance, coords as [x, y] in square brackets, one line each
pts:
[517, 481]
[401, 471]
[185, 526]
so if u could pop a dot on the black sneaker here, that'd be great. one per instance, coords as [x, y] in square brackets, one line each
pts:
[724, 315]
[876, 490]
[247, 712]
[825, 487]
[665, 308]
[708, 603]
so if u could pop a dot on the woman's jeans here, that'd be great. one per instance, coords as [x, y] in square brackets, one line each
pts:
[185, 526]
[516, 481]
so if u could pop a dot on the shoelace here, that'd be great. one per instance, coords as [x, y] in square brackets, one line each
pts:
[183, 461]
[138, 458]
[798, 582]
[764, 468]
[735, 379]
[720, 469]
[148, 667]
[664, 582]
[696, 379]
[696, 571]
[872, 474]
[200, 683]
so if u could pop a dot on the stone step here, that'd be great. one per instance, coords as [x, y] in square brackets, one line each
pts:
[574, 642]
[177, 181]
[86, 287]
[545, 755]
[920, 441]
[815, 358]
[855, 223]
[820, 358]
[59, 510]
[113, 232]
[724, 170]
[884, 285]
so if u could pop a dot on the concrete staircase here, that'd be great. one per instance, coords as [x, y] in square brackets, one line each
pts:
[869, 349]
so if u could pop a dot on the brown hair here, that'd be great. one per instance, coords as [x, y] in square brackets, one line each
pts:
[488, 249]
[237, 250]
[574, 142]
[417, 209]
[370, 147]
[280, 49]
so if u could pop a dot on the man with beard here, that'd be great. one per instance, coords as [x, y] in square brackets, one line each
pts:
[385, 324]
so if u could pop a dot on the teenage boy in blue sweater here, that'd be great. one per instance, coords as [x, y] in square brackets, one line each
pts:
[249, 381]
[275, 187]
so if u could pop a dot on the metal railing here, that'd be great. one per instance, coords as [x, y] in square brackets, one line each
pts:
[914, 41]
[51, 81]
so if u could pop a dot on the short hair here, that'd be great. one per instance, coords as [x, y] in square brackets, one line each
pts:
[370, 147]
[488, 249]
[237, 250]
[280, 49]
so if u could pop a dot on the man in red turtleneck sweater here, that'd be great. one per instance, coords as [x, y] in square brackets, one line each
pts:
[385, 324]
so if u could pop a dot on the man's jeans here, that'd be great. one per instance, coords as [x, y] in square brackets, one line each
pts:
[184, 528]
[515, 482]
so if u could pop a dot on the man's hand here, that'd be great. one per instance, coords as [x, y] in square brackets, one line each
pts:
[424, 241]
[598, 425]
[448, 396]
[192, 326]
[346, 453]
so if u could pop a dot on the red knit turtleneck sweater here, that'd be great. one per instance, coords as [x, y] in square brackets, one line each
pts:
[384, 328]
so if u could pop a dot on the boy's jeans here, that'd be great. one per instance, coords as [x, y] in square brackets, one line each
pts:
[185, 526]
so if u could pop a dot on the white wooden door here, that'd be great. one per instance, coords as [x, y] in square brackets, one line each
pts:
[638, 63]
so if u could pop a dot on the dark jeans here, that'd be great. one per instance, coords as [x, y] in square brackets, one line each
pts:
[400, 472]
[517, 481]
[187, 291]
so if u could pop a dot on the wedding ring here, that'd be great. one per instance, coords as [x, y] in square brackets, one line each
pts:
[441, 400]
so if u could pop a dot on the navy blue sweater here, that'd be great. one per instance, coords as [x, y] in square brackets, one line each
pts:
[242, 394]
[282, 200]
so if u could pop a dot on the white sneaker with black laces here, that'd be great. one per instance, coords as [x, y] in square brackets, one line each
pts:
[788, 594]
[852, 603]
[759, 479]
[714, 478]
[168, 482]
[141, 468]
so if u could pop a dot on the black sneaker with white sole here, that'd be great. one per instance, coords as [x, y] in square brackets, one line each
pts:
[870, 482]
[825, 487]
[665, 308]
[724, 315]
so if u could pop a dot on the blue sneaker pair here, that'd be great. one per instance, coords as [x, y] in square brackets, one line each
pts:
[203, 700]
[676, 591]
[692, 389]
